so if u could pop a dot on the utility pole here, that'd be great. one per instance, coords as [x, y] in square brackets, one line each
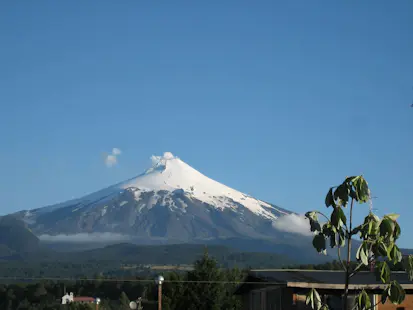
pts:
[159, 280]
[160, 297]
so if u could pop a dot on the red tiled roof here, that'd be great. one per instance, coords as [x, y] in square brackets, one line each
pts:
[81, 298]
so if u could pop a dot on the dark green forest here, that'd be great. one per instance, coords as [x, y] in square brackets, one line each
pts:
[180, 290]
[34, 277]
[127, 260]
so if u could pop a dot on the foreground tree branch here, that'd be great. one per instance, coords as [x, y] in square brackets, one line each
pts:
[378, 241]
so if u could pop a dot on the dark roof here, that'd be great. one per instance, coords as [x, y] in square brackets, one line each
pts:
[323, 276]
[323, 279]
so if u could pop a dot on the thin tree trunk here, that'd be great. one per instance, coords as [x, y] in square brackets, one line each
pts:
[347, 280]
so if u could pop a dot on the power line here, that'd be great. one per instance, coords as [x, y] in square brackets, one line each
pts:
[132, 280]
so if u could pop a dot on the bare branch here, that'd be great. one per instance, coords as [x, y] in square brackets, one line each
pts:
[322, 214]
[340, 259]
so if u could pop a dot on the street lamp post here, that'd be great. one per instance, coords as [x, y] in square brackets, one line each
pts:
[97, 302]
[159, 280]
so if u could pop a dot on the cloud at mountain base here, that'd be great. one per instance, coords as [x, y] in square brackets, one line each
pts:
[293, 223]
[85, 237]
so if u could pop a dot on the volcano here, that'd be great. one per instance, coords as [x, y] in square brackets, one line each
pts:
[170, 202]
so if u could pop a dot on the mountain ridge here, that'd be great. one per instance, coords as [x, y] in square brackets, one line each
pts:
[170, 202]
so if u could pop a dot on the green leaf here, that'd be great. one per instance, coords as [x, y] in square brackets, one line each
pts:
[363, 229]
[309, 300]
[317, 300]
[390, 248]
[359, 251]
[396, 293]
[371, 228]
[330, 199]
[341, 238]
[397, 231]
[313, 299]
[364, 257]
[392, 216]
[333, 240]
[312, 215]
[387, 228]
[374, 217]
[313, 219]
[343, 217]
[319, 243]
[328, 230]
[363, 301]
[363, 253]
[408, 266]
[381, 249]
[342, 192]
[315, 226]
[353, 194]
[394, 253]
[362, 189]
[338, 218]
[352, 179]
[383, 272]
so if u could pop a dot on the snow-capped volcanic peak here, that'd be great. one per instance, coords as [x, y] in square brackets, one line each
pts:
[170, 201]
[170, 173]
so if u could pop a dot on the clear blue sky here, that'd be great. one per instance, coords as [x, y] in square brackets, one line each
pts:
[276, 99]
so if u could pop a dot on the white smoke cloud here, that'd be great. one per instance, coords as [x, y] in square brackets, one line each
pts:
[168, 155]
[161, 159]
[293, 223]
[112, 159]
[155, 159]
[86, 238]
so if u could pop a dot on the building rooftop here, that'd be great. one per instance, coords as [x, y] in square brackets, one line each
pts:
[323, 276]
[320, 279]
[83, 299]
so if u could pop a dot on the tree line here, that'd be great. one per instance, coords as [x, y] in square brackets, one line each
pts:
[181, 290]
[207, 286]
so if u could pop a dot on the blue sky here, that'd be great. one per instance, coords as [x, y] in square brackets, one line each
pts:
[277, 99]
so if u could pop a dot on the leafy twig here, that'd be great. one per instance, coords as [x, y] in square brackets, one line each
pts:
[357, 269]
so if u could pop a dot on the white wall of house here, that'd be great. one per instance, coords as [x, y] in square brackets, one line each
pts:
[68, 298]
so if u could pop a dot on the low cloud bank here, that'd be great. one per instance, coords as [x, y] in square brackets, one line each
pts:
[293, 223]
[86, 238]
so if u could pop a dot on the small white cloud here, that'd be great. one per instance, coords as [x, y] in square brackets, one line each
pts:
[293, 223]
[116, 151]
[112, 159]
